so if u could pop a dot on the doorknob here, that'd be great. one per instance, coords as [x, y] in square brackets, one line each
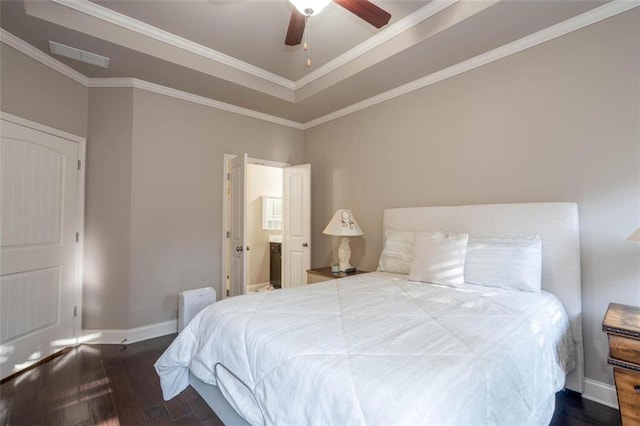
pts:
[305, 245]
[247, 248]
[239, 248]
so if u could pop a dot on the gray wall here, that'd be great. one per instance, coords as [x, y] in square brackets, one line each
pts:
[30, 90]
[107, 251]
[154, 200]
[153, 213]
[558, 122]
[176, 195]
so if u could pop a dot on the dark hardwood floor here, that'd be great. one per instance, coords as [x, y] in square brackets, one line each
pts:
[573, 410]
[114, 384]
[100, 385]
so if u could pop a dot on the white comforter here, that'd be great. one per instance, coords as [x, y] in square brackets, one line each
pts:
[378, 349]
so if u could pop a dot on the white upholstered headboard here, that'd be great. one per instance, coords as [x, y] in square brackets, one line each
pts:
[555, 223]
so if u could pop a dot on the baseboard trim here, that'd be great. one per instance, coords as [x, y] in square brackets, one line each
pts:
[601, 393]
[132, 335]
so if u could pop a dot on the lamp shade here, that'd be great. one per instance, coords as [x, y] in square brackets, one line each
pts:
[343, 224]
[310, 7]
[635, 236]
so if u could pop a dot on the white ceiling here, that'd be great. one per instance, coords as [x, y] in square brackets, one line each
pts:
[233, 50]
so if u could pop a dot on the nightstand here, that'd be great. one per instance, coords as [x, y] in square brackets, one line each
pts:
[622, 325]
[317, 275]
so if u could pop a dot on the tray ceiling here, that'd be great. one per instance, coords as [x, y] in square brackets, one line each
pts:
[233, 50]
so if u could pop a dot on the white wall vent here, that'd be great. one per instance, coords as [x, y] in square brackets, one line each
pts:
[78, 55]
[191, 302]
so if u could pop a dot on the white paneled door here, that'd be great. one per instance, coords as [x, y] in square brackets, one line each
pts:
[296, 239]
[39, 180]
[238, 272]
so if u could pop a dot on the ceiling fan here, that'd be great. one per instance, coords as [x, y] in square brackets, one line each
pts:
[306, 8]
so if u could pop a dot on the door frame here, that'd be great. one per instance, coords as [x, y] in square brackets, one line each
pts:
[225, 208]
[79, 273]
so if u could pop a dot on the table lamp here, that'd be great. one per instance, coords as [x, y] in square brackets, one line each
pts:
[343, 224]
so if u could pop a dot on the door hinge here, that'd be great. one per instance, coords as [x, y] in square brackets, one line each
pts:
[228, 176]
[77, 237]
[79, 164]
[228, 234]
[75, 311]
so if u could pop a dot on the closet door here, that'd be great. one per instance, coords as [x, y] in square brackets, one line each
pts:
[296, 238]
[38, 276]
[238, 267]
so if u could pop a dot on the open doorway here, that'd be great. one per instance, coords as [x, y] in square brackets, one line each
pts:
[264, 227]
[266, 223]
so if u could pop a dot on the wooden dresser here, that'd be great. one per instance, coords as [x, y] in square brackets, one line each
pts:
[622, 325]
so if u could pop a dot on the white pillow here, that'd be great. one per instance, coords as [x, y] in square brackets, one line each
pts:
[439, 260]
[511, 263]
[397, 253]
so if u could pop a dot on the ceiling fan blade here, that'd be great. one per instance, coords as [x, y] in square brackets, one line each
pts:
[296, 28]
[366, 10]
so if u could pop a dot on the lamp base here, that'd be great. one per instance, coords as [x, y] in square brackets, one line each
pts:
[344, 254]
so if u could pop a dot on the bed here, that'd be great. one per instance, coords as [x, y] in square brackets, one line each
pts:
[380, 349]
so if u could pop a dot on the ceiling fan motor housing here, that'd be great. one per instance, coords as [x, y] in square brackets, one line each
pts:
[306, 8]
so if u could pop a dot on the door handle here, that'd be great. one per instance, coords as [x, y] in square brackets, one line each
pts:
[247, 248]
[305, 245]
[239, 248]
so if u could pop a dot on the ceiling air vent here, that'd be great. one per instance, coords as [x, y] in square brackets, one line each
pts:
[78, 55]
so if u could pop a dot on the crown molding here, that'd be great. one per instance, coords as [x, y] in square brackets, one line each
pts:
[608, 10]
[100, 12]
[37, 54]
[190, 97]
[113, 17]
[371, 43]
[591, 17]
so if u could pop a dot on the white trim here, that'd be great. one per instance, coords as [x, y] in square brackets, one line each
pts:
[225, 218]
[268, 163]
[121, 82]
[598, 14]
[25, 48]
[190, 97]
[132, 335]
[40, 127]
[82, 157]
[601, 393]
[124, 21]
[371, 43]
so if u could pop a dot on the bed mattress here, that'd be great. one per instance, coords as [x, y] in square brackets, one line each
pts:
[379, 349]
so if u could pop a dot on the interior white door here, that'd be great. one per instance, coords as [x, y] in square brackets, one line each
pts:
[296, 236]
[38, 284]
[238, 267]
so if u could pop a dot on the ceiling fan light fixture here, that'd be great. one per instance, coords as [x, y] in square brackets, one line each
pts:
[310, 7]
